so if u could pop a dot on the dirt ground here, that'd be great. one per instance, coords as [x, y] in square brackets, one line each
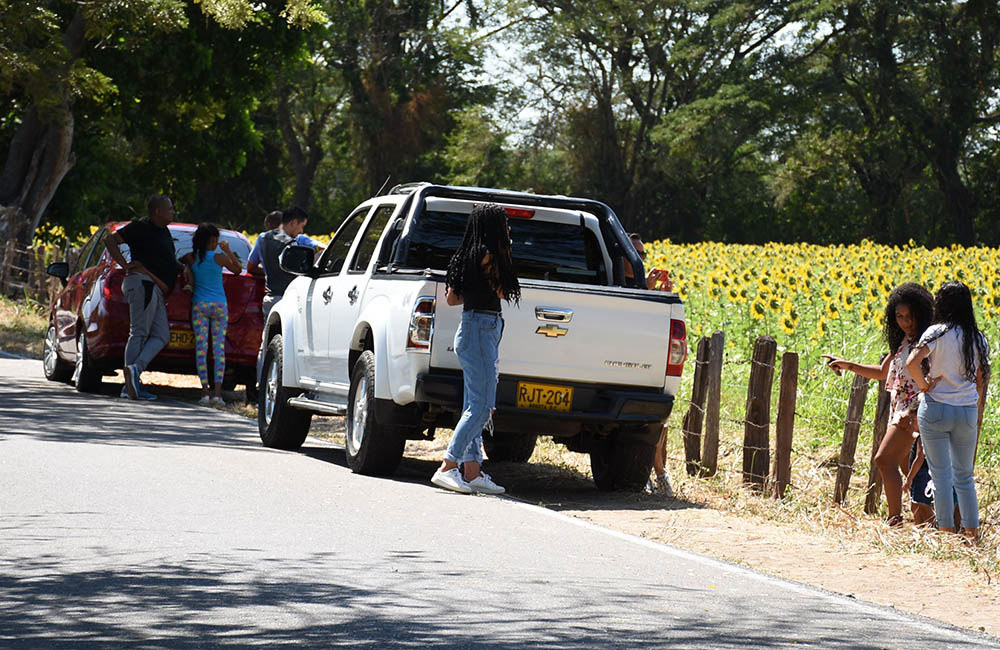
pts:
[846, 562]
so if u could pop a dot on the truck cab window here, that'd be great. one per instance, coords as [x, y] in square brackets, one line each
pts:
[542, 250]
[366, 247]
[336, 253]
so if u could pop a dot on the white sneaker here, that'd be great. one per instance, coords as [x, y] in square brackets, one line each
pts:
[205, 400]
[218, 401]
[451, 480]
[483, 484]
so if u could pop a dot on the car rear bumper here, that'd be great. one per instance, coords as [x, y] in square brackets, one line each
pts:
[595, 404]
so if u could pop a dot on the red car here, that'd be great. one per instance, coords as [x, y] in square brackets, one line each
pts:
[89, 319]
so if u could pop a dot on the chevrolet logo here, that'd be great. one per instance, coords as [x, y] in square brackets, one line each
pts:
[552, 331]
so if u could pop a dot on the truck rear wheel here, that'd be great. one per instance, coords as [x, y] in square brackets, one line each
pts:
[281, 426]
[510, 447]
[371, 448]
[619, 463]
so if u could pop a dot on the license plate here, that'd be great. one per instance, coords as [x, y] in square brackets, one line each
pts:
[544, 396]
[181, 340]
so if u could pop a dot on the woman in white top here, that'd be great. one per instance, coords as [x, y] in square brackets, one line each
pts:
[907, 313]
[951, 411]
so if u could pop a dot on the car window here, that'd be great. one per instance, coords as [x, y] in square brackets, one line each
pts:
[366, 247]
[99, 248]
[183, 244]
[541, 250]
[88, 248]
[336, 253]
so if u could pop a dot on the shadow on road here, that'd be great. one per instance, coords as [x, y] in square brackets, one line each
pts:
[58, 413]
[542, 484]
[267, 601]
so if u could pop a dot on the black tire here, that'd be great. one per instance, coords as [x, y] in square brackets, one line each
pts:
[281, 426]
[510, 447]
[53, 366]
[371, 448]
[87, 378]
[619, 463]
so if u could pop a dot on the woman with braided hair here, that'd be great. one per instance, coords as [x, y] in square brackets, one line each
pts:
[951, 410]
[480, 274]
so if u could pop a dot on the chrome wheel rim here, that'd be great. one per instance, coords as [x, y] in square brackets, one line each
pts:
[49, 355]
[270, 391]
[359, 415]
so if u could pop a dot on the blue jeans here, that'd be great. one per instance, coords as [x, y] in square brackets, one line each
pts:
[949, 437]
[477, 344]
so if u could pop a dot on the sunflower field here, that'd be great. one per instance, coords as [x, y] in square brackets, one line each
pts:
[817, 299]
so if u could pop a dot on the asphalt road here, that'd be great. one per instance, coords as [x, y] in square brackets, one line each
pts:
[165, 525]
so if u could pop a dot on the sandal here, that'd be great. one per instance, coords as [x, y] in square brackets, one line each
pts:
[894, 521]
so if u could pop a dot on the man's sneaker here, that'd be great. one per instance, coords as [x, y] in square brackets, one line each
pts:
[205, 400]
[483, 484]
[132, 382]
[218, 401]
[451, 480]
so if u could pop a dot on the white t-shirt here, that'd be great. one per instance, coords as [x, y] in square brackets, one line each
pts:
[947, 362]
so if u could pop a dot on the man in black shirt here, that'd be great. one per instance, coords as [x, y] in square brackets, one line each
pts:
[150, 276]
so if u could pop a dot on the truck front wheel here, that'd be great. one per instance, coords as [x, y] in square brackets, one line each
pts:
[620, 463]
[281, 426]
[371, 448]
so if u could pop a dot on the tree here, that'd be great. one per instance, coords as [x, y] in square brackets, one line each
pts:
[659, 98]
[46, 69]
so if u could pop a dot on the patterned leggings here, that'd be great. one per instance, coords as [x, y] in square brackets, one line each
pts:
[216, 314]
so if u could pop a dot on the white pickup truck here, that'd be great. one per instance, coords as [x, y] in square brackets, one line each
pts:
[590, 357]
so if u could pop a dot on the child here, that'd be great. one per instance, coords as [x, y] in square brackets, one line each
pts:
[208, 304]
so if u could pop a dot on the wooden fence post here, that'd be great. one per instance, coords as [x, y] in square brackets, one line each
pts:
[781, 475]
[756, 426]
[878, 433]
[855, 408]
[5, 265]
[710, 454]
[695, 416]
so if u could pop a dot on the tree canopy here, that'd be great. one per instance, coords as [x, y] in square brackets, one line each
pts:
[730, 120]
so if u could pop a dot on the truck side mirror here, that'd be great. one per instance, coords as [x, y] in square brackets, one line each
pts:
[59, 270]
[297, 260]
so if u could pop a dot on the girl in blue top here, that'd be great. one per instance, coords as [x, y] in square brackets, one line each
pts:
[208, 305]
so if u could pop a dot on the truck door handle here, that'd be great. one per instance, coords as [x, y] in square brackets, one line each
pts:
[553, 314]
[327, 296]
[352, 295]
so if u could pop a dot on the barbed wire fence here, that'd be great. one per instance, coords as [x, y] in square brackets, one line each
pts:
[860, 422]
[23, 271]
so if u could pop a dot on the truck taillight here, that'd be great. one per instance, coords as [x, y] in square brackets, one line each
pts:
[421, 325]
[678, 348]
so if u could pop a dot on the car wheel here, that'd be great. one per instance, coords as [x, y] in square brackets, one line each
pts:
[371, 448]
[54, 367]
[619, 463]
[281, 426]
[510, 447]
[86, 377]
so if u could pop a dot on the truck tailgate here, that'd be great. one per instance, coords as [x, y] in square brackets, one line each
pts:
[570, 332]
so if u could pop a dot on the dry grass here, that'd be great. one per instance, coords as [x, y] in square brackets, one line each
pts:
[22, 327]
[809, 505]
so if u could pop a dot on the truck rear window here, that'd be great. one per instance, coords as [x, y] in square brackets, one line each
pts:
[542, 250]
